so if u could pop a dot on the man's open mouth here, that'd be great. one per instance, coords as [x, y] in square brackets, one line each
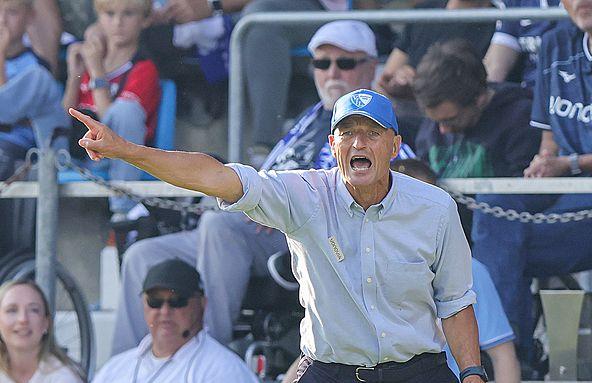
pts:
[360, 163]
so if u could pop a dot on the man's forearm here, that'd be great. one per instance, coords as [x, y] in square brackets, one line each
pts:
[193, 171]
[462, 336]
[499, 61]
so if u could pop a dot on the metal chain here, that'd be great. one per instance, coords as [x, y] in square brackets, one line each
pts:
[18, 175]
[513, 215]
[66, 162]
[469, 202]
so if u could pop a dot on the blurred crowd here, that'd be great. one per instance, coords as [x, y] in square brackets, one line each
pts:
[479, 99]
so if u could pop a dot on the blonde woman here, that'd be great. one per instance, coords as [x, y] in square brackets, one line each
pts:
[28, 352]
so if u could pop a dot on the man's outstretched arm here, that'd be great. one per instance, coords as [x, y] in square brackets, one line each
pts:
[194, 171]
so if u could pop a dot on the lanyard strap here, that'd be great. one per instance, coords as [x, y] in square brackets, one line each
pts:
[155, 375]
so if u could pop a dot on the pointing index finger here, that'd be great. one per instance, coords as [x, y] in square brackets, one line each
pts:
[91, 124]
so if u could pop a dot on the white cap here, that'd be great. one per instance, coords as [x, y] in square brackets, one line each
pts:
[349, 35]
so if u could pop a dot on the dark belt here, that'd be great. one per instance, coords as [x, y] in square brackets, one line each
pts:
[389, 371]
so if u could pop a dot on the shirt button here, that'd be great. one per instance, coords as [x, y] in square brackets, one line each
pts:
[372, 307]
[383, 335]
[366, 220]
[369, 280]
[385, 358]
[367, 250]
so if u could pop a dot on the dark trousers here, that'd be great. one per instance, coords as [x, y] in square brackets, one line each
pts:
[424, 368]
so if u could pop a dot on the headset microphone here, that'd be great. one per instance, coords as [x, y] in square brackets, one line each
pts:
[187, 333]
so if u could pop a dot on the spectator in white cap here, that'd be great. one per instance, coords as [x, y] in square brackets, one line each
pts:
[267, 52]
[178, 349]
[343, 53]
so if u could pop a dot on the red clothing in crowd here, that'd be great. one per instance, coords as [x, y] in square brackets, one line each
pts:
[140, 83]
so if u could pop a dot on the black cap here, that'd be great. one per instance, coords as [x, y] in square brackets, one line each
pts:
[175, 275]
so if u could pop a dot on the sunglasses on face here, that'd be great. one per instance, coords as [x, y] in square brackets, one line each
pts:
[173, 302]
[343, 63]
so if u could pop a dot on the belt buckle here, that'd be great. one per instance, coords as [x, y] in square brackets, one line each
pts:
[358, 372]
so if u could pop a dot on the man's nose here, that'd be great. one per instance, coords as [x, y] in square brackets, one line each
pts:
[334, 71]
[359, 140]
[165, 308]
[118, 19]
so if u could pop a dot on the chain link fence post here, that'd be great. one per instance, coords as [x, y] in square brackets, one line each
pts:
[47, 223]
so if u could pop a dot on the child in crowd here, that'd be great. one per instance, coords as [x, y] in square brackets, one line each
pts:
[109, 77]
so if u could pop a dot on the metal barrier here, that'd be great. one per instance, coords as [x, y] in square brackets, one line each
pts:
[236, 94]
[560, 185]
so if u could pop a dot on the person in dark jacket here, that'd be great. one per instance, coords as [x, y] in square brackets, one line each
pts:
[474, 129]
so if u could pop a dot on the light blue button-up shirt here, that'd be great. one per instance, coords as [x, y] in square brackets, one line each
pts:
[374, 283]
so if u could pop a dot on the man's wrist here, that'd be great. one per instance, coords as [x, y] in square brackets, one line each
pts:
[574, 164]
[473, 372]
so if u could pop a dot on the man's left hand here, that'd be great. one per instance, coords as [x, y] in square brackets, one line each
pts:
[547, 165]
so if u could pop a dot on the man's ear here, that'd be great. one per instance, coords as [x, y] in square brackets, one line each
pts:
[332, 144]
[397, 146]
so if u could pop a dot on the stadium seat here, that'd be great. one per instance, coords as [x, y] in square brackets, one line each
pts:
[164, 135]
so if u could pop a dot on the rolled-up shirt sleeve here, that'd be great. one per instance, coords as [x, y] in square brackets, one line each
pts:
[251, 189]
[452, 268]
[282, 200]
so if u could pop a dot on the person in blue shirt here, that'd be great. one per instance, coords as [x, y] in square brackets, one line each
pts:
[29, 96]
[515, 252]
[495, 334]
[380, 257]
[222, 238]
[30, 110]
[516, 44]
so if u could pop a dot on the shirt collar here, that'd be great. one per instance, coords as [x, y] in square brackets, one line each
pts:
[350, 205]
[146, 345]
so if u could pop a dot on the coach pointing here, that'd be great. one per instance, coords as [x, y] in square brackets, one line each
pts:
[380, 257]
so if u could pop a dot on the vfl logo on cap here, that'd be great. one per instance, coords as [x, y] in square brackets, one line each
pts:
[361, 100]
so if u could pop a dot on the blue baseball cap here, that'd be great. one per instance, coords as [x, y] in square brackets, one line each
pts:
[367, 103]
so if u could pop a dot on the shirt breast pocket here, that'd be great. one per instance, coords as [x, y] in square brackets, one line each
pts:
[407, 283]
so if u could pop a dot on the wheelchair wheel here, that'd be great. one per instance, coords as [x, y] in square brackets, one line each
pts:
[72, 322]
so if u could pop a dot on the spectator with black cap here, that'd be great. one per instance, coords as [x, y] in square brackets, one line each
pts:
[178, 349]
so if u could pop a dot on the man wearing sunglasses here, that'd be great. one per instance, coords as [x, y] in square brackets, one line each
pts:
[178, 349]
